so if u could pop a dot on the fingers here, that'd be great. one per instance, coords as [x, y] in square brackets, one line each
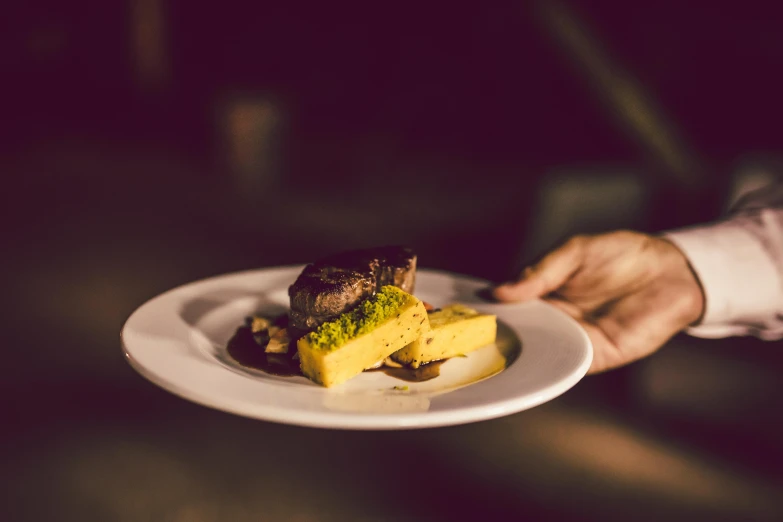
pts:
[549, 274]
[619, 344]
[605, 353]
[640, 324]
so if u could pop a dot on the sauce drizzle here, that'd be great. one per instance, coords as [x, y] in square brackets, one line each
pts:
[425, 372]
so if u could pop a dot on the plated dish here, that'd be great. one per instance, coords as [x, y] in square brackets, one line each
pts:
[356, 311]
[506, 358]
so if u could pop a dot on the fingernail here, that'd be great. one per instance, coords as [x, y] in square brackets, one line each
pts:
[502, 288]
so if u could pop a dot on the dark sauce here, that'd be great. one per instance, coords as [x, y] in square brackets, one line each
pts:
[244, 349]
[425, 372]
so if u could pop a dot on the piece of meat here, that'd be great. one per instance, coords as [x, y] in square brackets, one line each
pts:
[322, 293]
[333, 285]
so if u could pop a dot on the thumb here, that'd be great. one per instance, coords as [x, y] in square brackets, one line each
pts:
[546, 276]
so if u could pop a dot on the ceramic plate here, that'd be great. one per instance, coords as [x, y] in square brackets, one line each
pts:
[178, 341]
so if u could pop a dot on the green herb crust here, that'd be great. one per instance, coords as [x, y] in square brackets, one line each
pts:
[363, 319]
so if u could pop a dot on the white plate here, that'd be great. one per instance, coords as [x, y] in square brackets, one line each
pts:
[178, 341]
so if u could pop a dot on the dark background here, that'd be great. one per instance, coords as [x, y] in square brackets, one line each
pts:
[145, 144]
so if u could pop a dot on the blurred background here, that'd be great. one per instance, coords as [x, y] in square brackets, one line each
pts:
[148, 143]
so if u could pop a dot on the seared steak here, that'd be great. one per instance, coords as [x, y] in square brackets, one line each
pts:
[335, 284]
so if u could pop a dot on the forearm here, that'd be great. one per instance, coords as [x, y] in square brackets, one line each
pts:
[739, 263]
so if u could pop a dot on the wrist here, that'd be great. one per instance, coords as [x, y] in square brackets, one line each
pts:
[739, 281]
[691, 283]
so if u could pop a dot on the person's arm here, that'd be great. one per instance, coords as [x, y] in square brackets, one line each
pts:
[739, 263]
[632, 292]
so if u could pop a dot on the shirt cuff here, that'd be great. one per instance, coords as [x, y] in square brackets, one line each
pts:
[740, 282]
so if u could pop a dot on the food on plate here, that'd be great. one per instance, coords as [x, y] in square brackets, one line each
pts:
[361, 338]
[263, 343]
[355, 311]
[271, 334]
[455, 330]
[336, 284]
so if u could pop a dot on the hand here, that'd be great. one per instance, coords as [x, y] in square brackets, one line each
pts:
[630, 291]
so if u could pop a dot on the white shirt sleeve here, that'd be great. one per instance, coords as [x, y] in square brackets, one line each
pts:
[739, 262]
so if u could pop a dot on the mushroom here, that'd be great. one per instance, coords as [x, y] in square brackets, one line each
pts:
[278, 340]
[259, 323]
[391, 363]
